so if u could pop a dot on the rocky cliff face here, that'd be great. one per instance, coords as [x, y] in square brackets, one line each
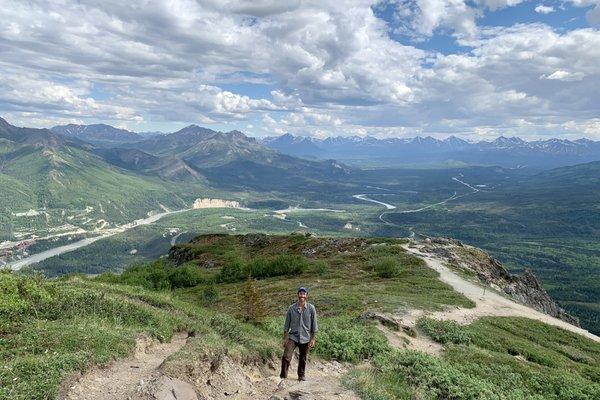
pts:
[524, 288]
[215, 203]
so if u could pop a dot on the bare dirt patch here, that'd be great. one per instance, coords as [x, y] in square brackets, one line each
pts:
[122, 379]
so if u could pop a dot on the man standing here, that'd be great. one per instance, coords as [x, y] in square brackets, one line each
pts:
[299, 330]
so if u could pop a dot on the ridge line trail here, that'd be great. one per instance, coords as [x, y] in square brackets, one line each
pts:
[121, 378]
[490, 304]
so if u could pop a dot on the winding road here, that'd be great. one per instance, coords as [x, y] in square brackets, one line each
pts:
[365, 198]
[389, 207]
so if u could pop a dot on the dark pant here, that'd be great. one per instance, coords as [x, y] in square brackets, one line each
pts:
[288, 353]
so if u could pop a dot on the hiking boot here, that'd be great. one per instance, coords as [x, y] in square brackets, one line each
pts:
[301, 378]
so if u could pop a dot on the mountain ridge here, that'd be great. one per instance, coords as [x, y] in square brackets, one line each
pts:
[97, 134]
[504, 151]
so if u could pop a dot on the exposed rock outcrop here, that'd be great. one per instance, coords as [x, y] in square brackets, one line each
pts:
[216, 203]
[524, 288]
[386, 320]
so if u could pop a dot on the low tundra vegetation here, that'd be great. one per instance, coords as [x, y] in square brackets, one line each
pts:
[504, 358]
[51, 328]
[444, 331]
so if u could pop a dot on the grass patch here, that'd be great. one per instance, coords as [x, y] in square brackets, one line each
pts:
[338, 272]
[509, 358]
[51, 328]
[386, 267]
[444, 331]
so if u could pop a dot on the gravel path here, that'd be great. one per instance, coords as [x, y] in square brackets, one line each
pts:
[488, 303]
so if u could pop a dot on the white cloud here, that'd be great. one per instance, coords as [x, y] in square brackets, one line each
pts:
[321, 66]
[452, 13]
[561, 75]
[542, 9]
[498, 4]
[425, 17]
[36, 94]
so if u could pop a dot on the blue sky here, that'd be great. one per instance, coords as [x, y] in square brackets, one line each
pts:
[394, 68]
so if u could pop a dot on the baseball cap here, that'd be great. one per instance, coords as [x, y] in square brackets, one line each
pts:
[302, 289]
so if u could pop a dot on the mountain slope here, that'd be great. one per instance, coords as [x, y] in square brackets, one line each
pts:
[234, 161]
[65, 183]
[205, 148]
[167, 167]
[30, 136]
[97, 134]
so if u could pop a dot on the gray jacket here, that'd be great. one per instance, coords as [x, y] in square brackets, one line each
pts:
[300, 325]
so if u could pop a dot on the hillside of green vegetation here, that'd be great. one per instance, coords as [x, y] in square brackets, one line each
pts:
[69, 185]
[50, 328]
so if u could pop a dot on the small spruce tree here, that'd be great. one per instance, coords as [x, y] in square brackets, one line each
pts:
[252, 303]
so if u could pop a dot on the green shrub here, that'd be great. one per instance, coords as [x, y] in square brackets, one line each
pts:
[236, 270]
[386, 267]
[284, 264]
[210, 294]
[320, 267]
[233, 271]
[158, 275]
[188, 275]
[439, 379]
[345, 339]
[444, 331]
[488, 368]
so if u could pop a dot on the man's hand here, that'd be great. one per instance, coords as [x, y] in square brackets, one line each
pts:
[311, 344]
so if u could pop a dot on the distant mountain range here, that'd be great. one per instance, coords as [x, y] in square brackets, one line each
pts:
[73, 166]
[510, 152]
[504, 151]
[40, 169]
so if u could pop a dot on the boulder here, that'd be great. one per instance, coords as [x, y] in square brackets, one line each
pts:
[165, 388]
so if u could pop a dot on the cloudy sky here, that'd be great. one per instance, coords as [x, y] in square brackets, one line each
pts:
[476, 68]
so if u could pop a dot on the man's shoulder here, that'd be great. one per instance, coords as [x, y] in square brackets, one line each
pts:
[291, 306]
[311, 307]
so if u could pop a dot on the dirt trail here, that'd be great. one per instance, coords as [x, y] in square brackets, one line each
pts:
[233, 381]
[121, 379]
[488, 302]
[323, 383]
[419, 342]
[140, 377]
